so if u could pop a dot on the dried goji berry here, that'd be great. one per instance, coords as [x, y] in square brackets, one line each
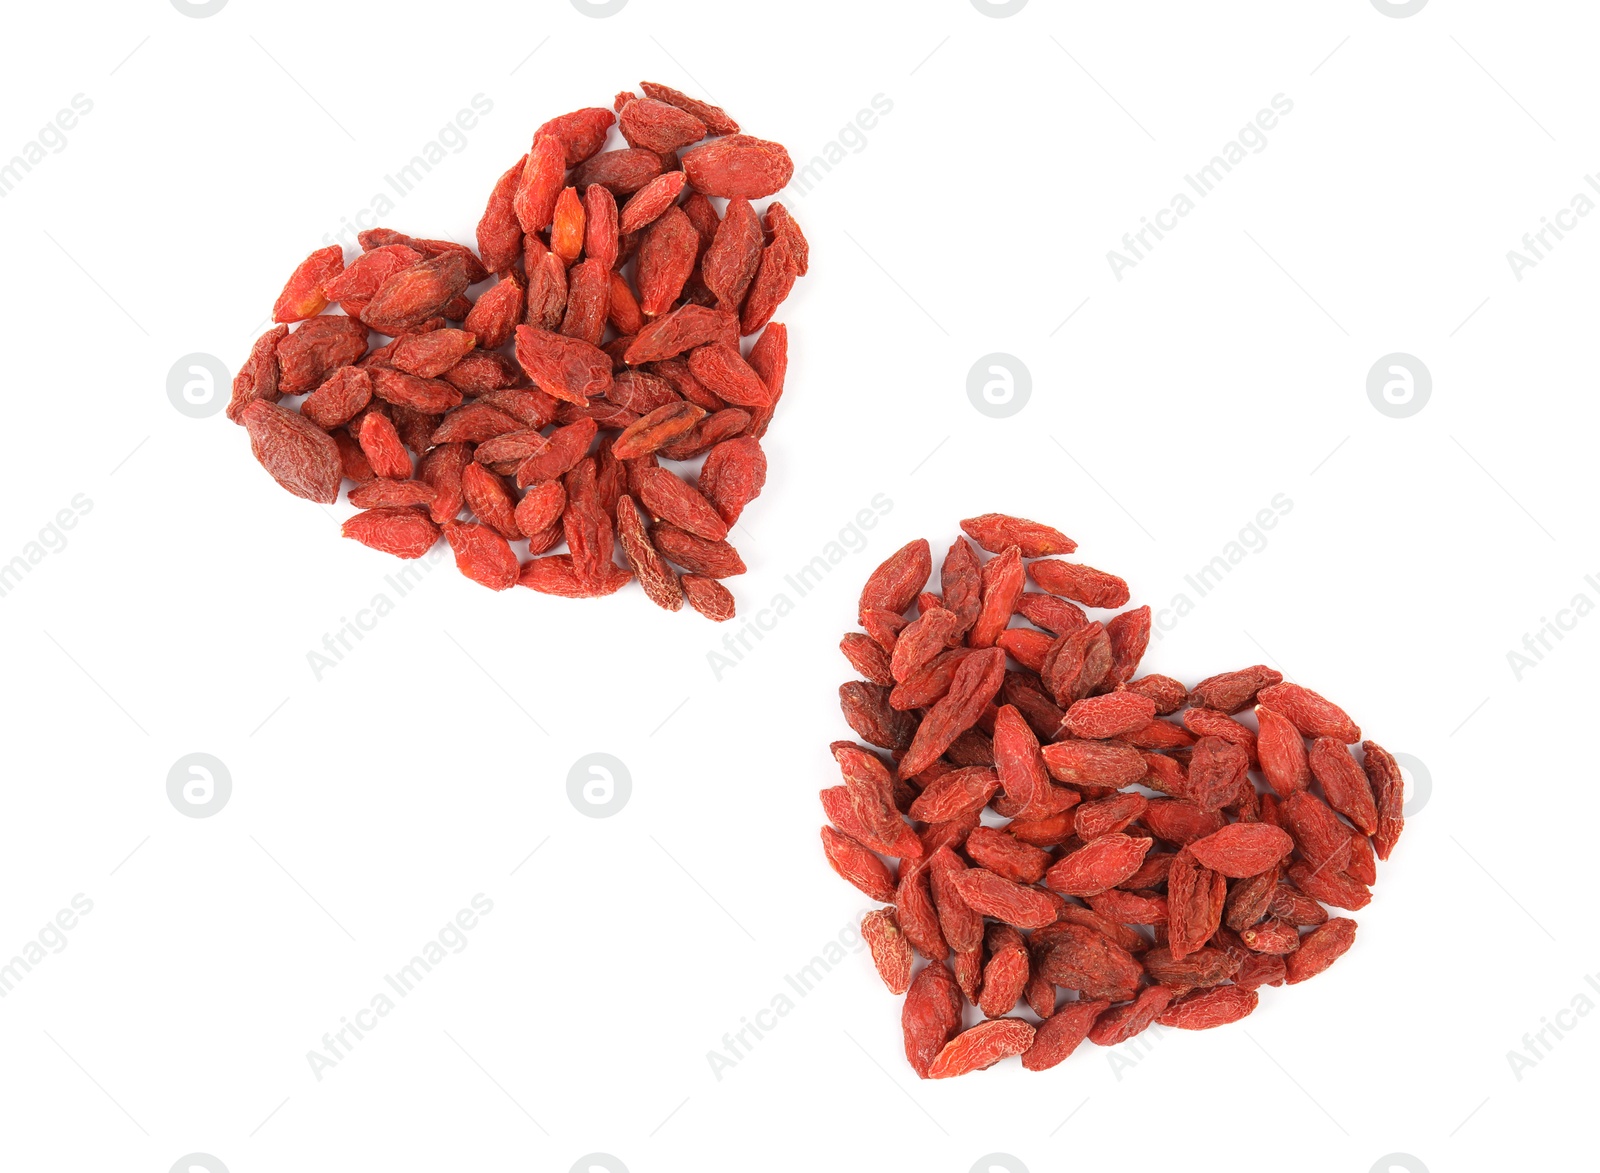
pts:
[1079, 957]
[1121, 1023]
[624, 172]
[1082, 584]
[413, 295]
[1060, 1034]
[568, 368]
[734, 473]
[982, 1046]
[1320, 948]
[1093, 763]
[403, 532]
[650, 201]
[1000, 587]
[931, 1014]
[698, 555]
[667, 254]
[671, 498]
[541, 183]
[305, 294]
[499, 231]
[1005, 973]
[340, 397]
[299, 455]
[709, 597]
[1008, 902]
[481, 554]
[1099, 864]
[1344, 784]
[1195, 897]
[1240, 850]
[1109, 715]
[1312, 714]
[1228, 692]
[1388, 787]
[891, 952]
[994, 532]
[315, 350]
[976, 681]
[738, 165]
[1204, 1009]
[858, 865]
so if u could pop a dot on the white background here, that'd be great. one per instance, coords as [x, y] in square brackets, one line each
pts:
[1227, 367]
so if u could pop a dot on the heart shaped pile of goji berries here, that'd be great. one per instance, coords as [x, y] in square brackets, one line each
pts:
[1131, 858]
[545, 404]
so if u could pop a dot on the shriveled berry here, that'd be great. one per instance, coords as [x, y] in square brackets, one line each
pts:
[299, 455]
[403, 532]
[481, 554]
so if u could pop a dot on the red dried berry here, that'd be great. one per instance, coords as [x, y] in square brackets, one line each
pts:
[482, 555]
[1099, 864]
[931, 1014]
[568, 368]
[994, 532]
[1312, 714]
[299, 455]
[582, 133]
[1205, 1009]
[1240, 850]
[1082, 584]
[543, 176]
[738, 165]
[305, 294]
[1228, 692]
[859, 866]
[499, 231]
[891, 952]
[1060, 1034]
[1319, 949]
[403, 532]
[709, 597]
